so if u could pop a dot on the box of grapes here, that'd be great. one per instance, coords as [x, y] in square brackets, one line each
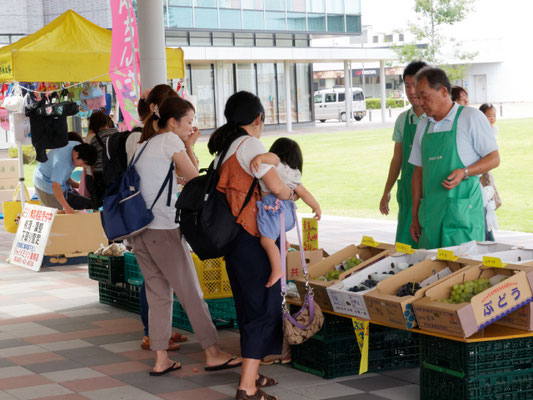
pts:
[294, 260]
[346, 296]
[391, 302]
[473, 298]
[326, 272]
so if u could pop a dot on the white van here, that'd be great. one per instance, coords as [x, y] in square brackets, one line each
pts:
[331, 104]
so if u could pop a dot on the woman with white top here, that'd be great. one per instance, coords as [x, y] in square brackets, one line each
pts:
[162, 254]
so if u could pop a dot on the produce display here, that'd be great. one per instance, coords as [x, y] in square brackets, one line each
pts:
[376, 277]
[346, 265]
[463, 293]
[409, 289]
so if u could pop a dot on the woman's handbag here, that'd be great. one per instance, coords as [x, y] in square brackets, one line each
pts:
[13, 209]
[308, 320]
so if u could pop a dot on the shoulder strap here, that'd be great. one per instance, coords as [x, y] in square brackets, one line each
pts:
[99, 140]
[168, 180]
[248, 195]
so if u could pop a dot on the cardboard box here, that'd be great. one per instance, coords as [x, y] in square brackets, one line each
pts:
[77, 234]
[294, 261]
[9, 168]
[321, 268]
[9, 183]
[474, 248]
[384, 306]
[465, 319]
[521, 318]
[510, 256]
[352, 303]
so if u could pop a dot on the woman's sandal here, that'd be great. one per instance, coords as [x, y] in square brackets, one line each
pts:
[258, 395]
[265, 381]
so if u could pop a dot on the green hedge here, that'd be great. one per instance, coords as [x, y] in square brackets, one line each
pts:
[28, 153]
[373, 103]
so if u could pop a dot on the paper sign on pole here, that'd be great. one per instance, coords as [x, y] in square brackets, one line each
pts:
[310, 233]
[361, 329]
[32, 236]
[124, 66]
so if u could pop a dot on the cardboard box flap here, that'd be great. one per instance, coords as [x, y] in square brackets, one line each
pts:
[509, 256]
[474, 248]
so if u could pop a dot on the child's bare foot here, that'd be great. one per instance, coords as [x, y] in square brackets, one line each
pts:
[274, 277]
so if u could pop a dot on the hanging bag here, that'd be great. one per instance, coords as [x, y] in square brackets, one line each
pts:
[309, 319]
[14, 101]
[124, 211]
[13, 209]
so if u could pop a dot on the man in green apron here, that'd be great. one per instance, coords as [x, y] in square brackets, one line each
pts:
[404, 133]
[452, 147]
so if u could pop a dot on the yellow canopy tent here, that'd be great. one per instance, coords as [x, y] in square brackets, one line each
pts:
[68, 49]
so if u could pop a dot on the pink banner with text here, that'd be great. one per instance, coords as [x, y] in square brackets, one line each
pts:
[124, 66]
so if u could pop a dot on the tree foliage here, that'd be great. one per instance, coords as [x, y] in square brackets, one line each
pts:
[429, 43]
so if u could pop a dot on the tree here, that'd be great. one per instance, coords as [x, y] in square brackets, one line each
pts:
[429, 43]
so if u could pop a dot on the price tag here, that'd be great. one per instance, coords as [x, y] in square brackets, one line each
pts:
[404, 248]
[494, 262]
[446, 255]
[369, 241]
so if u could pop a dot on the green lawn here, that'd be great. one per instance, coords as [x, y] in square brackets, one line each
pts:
[346, 171]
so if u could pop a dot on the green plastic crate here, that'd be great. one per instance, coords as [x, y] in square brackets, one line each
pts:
[114, 295]
[132, 272]
[476, 359]
[222, 312]
[435, 385]
[133, 298]
[107, 269]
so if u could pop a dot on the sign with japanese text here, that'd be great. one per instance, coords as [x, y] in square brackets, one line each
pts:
[310, 233]
[494, 262]
[32, 236]
[361, 329]
[124, 66]
[369, 241]
[404, 248]
[446, 255]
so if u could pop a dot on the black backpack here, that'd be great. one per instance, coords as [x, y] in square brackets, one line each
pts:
[204, 215]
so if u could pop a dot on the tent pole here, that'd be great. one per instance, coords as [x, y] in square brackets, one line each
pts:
[21, 175]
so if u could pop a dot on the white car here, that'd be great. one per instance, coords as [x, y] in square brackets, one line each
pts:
[331, 104]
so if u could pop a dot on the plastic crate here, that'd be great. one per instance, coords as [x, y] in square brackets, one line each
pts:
[133, 298]
[114, 295]
[107, 269]
[476, 359]
[331, 355]
[213, 277]
[132, 272]
[220, 309]
[435, 385]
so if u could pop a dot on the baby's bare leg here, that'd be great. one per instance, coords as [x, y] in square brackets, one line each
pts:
[274, 257]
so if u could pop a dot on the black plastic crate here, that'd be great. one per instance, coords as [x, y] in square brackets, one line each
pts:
[476, 359]
[114, 295]
[436, 385]
[107, 269]
[339, 355]
[133, 298]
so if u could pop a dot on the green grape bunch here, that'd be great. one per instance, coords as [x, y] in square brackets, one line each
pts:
[463, 292]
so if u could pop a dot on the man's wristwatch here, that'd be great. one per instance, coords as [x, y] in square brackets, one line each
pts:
[466, 174]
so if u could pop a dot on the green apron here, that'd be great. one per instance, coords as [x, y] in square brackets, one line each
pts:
[403, 190]
[447, 217]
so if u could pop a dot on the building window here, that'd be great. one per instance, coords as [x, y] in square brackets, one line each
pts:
[230, 4]
[303, 92]
[296, 5]
[206, 18]
[283, 40]
[203, 88]
[335, 6]
[264, 39]
[375, 39]
[336, 23]
[222, 39]
[316, 22]
[244, 39]
[401, 37]
[266, 85]
[180, 17]
[353, 24]
[275, 5]
[185, 3]
[229, 84]
[200, 39]
[296, 21]
[253, 20]
[253, 4]
[205, 3]
[275, 21]
[388, 38]
[230, 19]
[178, 38]
[316, 6]
[352, 6]
[282, 104]
[246, 78]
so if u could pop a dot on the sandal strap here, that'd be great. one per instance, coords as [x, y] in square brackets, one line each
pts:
[258, 395]
[265, 381]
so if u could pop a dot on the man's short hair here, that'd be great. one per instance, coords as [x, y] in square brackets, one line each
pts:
[413, 68]
[86, 152]
[435, 77]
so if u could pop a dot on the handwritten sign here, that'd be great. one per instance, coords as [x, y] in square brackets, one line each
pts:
[493, 262]
[124, 66]
[404, 248]
[369, 241]
[361, 329]
[310, 233]
[32, 236]
[446, 255]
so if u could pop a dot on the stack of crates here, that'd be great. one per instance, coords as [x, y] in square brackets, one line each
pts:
[333, 352]
[489, 370]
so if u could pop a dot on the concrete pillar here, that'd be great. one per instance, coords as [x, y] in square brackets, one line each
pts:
[383, 91]
[219, 92]
[288, 106]
[151, 26]
[348, 92]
